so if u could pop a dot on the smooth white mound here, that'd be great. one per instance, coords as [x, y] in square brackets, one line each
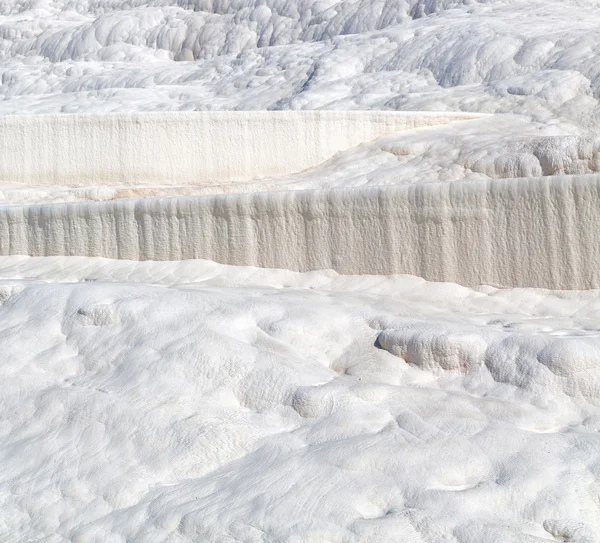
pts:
[188, 401]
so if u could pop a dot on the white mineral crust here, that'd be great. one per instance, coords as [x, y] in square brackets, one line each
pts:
[159, 396]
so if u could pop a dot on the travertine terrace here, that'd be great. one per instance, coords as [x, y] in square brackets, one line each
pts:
[530, 232]
[299, 271]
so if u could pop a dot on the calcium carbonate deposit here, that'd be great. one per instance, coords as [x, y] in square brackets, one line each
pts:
[159, 396]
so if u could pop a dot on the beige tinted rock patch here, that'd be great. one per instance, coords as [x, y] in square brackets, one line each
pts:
[534, 232]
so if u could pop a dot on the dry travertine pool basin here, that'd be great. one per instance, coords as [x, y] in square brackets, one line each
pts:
[533, 232]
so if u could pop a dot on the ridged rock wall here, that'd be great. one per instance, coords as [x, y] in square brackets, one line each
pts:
[180, 148]
[535, 232]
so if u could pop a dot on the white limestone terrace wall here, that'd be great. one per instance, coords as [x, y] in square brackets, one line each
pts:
[535, 232]
[179, 148]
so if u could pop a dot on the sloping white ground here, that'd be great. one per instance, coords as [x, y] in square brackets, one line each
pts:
[535, 57]
[188, 401]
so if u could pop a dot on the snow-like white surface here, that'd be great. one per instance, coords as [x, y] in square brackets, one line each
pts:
[434, 55]
[188, 401]
[535, 57]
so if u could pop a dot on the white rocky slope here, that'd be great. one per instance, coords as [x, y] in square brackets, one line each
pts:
[188, 401]
[534, 57]
[196, 402]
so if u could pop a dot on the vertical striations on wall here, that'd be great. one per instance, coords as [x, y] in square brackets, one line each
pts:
[181, 148]
[534, 232]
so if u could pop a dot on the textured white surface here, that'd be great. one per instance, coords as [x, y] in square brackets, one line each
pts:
[185, 148]
[533, 232]
[536, 232]
[491, 147]
[190, 401]
[187, 401]
[534, 57]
